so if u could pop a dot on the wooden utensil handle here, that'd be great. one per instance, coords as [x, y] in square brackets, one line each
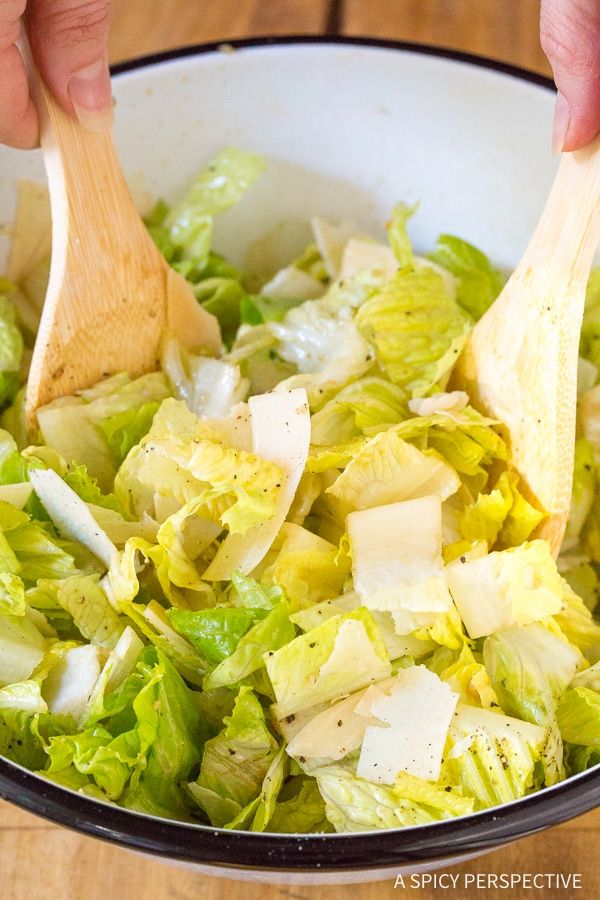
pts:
[568, 232]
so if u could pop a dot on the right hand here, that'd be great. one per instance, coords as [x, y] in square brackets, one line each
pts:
[570, 35]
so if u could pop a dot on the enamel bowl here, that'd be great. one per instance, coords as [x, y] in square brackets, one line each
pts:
[348, 128]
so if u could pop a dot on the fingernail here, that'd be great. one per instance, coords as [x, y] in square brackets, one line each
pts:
[91, 96]
[562, 116]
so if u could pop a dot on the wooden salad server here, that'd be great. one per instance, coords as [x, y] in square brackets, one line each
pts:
[111, 296]
[520, 362]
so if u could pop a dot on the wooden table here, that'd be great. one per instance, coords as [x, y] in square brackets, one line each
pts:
[39, 861]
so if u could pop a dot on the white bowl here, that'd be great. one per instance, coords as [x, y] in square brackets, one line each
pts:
[348, 129]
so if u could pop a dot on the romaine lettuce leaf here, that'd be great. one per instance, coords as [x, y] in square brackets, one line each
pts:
[492, 757]
[300, 809]
[387, 470]
[143, 765]
[219, 186]
[263, 638]
[416, 327]
[353, 804]
[73, 425]
[530, 668]
[215, 633]
[11, 349]
[478, 282]
[502, 516]
[209, 387]
[578, 716]
[507, 587]
[340, 656]
[235, 762]
[364, 406]
[307, 568]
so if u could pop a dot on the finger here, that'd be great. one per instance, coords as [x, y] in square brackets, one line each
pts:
[18, 118]
[69, 41]
[570, 36]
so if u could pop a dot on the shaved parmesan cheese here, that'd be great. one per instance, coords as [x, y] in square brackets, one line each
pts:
[415, 710]
[331, 240]
[397, 556]
[280, 424]
[359, 255]
[122, 659]
[454, 401]
[70, 514]
[70, 684]
[292, 282]
[334, 732]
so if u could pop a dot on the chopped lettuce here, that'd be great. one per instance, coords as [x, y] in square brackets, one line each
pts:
[416, 327]
[530, 668]
[354, 804]
[492, 757]
[235, 762]
[388, 469]
[478, 282]
[218, 187]
[505, 588]
[342, 655]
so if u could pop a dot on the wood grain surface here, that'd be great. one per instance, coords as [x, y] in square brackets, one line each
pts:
[39, 861]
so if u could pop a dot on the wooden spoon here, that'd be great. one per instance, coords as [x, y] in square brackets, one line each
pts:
[111, 296]
[520, 363]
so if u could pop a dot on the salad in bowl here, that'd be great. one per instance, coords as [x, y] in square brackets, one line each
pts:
[296, 588]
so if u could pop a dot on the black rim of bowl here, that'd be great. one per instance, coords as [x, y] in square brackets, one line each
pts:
[338, 852]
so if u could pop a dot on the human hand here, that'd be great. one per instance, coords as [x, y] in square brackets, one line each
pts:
[69, 41]
[570, 35]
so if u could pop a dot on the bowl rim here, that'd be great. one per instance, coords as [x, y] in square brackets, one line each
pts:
[242, 850]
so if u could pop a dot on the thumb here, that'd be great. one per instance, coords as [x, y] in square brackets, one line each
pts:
[69, 41]
[570, 37]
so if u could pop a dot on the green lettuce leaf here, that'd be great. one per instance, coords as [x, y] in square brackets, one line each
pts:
[74, 425]
[141, 753]
[397, 233]
[464, 439]
[219, 186]
[307, 568]
[502, 516]
[387, 470]
[362, 407]
[11, 350]
[177, 459]
[530, 668]
[300, 809]
[23, 736]
[340, 656]
[492, 757]
[416, 327]
[84, 599]
[353, 804]
[209, 387]
[126, 429]
[578, 717]
[265, 637]
[215, 633]
[584, 489]
[235, 762]
[478, 282]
